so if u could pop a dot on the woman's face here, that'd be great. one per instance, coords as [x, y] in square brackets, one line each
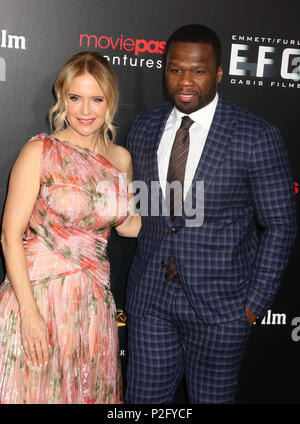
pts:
[86, 105]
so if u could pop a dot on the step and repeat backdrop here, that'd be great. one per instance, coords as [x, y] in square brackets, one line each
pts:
[261, 60]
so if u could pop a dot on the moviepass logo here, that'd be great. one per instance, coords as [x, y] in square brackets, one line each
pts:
[120, 43]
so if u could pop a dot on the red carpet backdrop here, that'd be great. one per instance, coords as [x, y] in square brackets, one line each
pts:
[261, 59]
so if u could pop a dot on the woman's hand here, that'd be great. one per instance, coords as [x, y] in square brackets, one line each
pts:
[34, 333]
[130, 227]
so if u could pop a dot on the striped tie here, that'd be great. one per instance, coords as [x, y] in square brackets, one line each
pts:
[176, 172]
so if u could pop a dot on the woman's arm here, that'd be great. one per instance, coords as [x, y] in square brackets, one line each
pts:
[132, 225]
[22, 193]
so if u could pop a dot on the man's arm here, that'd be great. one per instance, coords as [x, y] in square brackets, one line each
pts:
[273, 199]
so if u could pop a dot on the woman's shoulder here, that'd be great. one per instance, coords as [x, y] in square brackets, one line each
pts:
[39, 140]
[34, 145]
[29, 158]
[37, 146]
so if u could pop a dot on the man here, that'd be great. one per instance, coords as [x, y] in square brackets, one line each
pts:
[194, 291]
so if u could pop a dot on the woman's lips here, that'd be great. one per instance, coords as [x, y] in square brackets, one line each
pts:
[85, 121]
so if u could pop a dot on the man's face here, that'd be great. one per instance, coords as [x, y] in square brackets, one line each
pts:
[191, 75]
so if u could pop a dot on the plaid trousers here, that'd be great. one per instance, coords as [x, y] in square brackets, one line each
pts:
[170, 341]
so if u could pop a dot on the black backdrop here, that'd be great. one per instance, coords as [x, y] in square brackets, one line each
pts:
[37, 36]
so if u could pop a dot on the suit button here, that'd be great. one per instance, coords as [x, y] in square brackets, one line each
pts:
[163, 264]
[174, 230]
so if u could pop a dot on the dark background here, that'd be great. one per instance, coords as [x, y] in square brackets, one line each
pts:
[52, 32]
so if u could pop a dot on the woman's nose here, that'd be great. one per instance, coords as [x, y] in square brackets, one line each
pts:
[85, 107]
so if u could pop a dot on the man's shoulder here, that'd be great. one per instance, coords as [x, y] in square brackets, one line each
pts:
[242, 116]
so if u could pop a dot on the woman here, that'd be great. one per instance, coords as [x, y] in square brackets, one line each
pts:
[58, 333]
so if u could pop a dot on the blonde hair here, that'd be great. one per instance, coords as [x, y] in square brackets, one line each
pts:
[96, 65]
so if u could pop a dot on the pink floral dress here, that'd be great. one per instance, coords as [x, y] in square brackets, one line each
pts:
[82, 196]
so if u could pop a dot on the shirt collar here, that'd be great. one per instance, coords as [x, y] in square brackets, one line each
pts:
[203, 116]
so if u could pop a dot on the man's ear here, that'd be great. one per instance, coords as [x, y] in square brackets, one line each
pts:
[219, 74]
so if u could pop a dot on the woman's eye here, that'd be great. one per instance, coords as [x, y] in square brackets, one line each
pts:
[98, 99]
[74, 98]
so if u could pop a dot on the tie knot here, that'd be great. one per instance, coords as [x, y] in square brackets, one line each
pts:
[186, 122]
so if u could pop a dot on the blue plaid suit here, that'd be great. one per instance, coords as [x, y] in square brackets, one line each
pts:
[235, 259]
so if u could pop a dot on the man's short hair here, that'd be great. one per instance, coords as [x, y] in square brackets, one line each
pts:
[196, 33]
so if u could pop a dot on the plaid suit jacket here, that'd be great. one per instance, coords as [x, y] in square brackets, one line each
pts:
[237, 256]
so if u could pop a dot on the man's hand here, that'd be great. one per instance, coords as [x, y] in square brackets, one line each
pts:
[250, 315]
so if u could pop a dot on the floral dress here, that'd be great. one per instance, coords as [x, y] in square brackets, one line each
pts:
[82, 196]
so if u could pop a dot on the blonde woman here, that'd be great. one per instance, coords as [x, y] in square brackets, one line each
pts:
[58, 333]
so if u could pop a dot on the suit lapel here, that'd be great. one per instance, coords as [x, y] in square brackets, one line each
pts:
[216, 145]
[156, 129]
[217, 142]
